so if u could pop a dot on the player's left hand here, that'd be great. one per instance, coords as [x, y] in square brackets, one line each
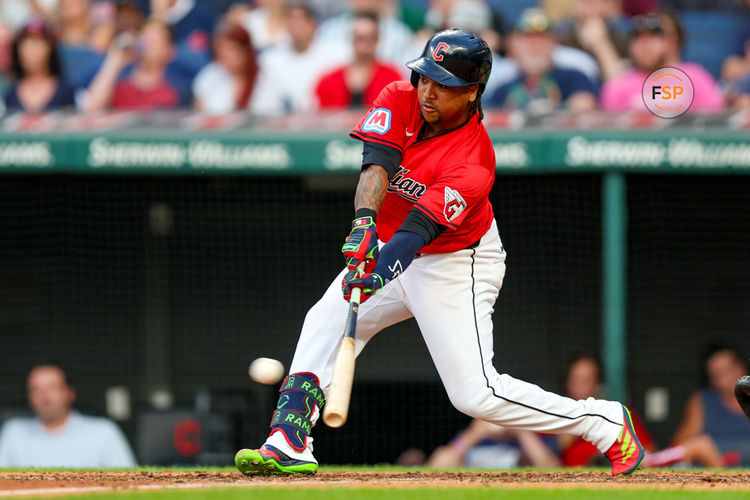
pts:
[370, 283]
[361, 244]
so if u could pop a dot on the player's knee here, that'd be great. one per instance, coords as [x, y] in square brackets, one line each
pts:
[473, 401]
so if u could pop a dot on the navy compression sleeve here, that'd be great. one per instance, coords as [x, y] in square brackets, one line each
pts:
[397, 254]
[382, 155]
[417, 222]
[417, 231]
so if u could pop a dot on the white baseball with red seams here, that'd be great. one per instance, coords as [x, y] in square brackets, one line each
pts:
[451, 287]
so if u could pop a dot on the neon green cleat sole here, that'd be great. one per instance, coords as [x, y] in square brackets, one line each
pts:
[268, 460]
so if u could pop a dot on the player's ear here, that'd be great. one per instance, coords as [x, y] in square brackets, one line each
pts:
[474, 92]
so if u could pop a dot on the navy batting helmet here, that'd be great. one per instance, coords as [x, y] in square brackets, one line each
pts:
[454, 58]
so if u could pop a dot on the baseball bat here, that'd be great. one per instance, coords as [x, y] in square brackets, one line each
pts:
[337, 406]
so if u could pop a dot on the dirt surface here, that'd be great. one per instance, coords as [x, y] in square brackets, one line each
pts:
[61, 483]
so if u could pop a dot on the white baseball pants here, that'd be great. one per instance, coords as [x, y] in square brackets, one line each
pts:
[452, 298]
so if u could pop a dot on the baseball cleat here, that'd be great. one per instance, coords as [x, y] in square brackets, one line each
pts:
[268, 460]
[626, 454]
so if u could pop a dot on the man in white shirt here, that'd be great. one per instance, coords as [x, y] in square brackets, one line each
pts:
[394, 34]
[290, 69]
[59, 436]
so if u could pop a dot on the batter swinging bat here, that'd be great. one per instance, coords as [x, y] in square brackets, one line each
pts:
[337, 405]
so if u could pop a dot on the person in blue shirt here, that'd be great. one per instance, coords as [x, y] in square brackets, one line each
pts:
[540, 86]
[193, 23]
[58, 436]
[85, 31]
[713, 414]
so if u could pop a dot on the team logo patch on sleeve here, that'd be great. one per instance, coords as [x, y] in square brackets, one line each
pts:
[454, 204]
[378, 121]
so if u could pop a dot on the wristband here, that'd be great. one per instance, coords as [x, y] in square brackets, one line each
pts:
[365, 212]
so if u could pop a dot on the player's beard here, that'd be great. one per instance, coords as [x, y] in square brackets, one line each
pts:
[433, 118]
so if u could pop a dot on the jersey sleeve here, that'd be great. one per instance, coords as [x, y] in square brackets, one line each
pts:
[454, 193]
[385, 123]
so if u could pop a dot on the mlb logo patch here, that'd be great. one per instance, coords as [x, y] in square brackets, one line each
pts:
[378, 121]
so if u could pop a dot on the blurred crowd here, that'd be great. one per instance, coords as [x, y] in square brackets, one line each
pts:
[270, 57]
[713, 432]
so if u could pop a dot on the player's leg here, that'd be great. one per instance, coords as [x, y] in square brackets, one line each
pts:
[325, 321]
[288, 448]
[452, 297]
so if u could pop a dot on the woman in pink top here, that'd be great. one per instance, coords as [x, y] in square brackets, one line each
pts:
[655, 43]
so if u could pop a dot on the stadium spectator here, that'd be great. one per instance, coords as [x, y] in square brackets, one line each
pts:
[469, 15]
[394, 34]
[19, 13]
[713, 416]
[735, 70]
[542, 86]
[192, 23]
[85, 35]
[82, 23]
[39, 85]
[584, 380]
[674, 35]
[358, 83]
[740, 96]
[651, 49]
[227, 83]
[129, 17]
[487, 445]
[736, 66]
[266, 22]
[103, 26]
[289, 70]
[59, 436]
[6, 58]
[597, 28]
[476, 16]
[151, 82]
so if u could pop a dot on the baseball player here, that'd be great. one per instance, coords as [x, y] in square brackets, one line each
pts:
[425, 228]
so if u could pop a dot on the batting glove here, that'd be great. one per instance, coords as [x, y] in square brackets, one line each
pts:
[370, 283]
[361, 244]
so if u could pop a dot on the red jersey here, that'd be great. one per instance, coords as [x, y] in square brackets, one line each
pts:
[333, 92]
[127, 96]
[448, 177]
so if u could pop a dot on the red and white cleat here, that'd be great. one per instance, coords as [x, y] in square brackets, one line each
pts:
[626, 454]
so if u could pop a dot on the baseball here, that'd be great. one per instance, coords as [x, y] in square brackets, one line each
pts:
[266, 371]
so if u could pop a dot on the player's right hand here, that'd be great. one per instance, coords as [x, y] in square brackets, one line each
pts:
[361, 244]
[370, 283]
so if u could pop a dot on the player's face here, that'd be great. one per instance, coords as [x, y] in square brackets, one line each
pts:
[49, 395]
[445, 107]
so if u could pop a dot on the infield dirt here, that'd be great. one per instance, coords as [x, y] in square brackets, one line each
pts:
[62, 483]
